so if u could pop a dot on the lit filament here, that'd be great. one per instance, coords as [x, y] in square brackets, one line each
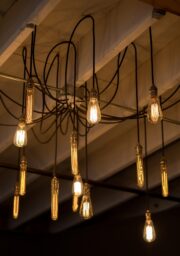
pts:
[164, 178]
[20, 137]
[154, 110]
[16, 202]
[23, 172]
[139, 166]
[93, 113]
[54, 198]
[86, 209]
[77, 185]
[74, 153]
[77, 191]
[149, 233]
[29, 103]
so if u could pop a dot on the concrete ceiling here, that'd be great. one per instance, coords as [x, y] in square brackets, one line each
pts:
[111, 147]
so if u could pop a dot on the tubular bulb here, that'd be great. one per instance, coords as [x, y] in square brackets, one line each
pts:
[54, 198]
[75, 203]
[74, 153]
[16, 202]
[20, 137]
[164, 178]
[86, 209]
[149, 233]
[29, 102]
[23, 172]
[93, 112]
[139, 166]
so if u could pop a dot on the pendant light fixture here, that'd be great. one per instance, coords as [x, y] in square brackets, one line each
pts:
[86, 208]
[74, 153]
[154, 111]
[55, 180]
[23, 174]
[20, 137]
[94, 112]
[139, 157]
[16, 202]
[57, 102]
[29, 101]
[149, 233]
[163, 166]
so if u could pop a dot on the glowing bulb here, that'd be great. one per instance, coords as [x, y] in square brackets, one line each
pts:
[77, 185]
[93, 112]
[54, 198]
[23, 172]
[86, 209]
[74, 153]
[154, 112]
[29, 102]
[164, 178]
[20, 137]
[77, 191]
[139, 166]
[16, 202]
[149, 233]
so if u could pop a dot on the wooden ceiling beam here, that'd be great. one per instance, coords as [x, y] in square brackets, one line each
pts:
[172, 6]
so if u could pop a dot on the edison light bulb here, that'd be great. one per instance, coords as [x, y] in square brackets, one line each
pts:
[16, 202]
[20, 137]
[29, 102]
[149, 233]
[74, 153]
[54, 198]
[154, 111]
[77, 191]
[164, 177]
[139, 166]
[93, 112]
[86, 209]
[23, 172]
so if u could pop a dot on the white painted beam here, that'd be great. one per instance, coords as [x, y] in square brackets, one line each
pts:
[13, 26]
[123, 24]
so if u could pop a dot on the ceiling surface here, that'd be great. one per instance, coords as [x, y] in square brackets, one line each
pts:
[111, 148]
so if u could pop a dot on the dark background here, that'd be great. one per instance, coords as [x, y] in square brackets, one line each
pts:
[105, 234]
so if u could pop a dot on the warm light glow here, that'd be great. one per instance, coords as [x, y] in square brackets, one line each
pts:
[94, 112]
[139, 166]
[77, 185]
[164, 178]
[154, 110]
[23, 172]
[54, 198]
[77, 188]
[29, 102]
[16, 202]
[74, 153]
[20, 137]
[75, 203]
[86, 209]
[149, 233]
